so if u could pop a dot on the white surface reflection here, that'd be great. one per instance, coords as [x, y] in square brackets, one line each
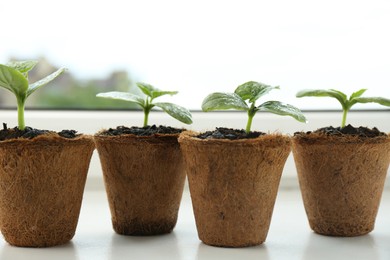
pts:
[145, 247]
[210, 252]
[361, 247]
[63, 252]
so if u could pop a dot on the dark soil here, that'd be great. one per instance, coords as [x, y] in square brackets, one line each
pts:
[228, 133]
[29, 133]
[68, 134]
[142, 131]
[347, 130]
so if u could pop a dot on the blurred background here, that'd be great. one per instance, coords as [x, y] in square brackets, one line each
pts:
[197, 47]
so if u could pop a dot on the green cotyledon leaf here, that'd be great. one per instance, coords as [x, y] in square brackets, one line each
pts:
[223, 101]
[341, 97]
[378, 100]
[282, 109]
[123, 96]
[40, 83]
[178, 112]
[14, 81]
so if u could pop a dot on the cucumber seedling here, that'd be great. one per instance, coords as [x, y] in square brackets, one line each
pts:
[14, 77]
[346, 103]
[250, 92]
[147, 103]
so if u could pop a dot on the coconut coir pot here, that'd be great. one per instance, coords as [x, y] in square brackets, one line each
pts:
[41, 188]
[144, 180]
[233, 186]
[341, 180]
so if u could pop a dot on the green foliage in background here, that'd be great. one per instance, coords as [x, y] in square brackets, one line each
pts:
[69, 92]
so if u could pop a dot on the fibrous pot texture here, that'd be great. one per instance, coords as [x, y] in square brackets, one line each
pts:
[233, 186]
[341, 180]
[42, 182]
[144, 180]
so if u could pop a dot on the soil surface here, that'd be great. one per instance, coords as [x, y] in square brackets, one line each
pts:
[142, 131]
[29, 133]
[229, 133]
[347, 130]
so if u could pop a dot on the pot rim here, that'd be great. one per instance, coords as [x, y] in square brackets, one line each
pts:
[131, 138]
[275, 138]
[321, 138]
[47, 139]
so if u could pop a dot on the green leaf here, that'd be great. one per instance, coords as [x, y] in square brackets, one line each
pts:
[378, 100]
[123, 96]
[282, 109]
[180, 113]
[35, 86]
[159, 93]
[340, 96]
[22, 66]
[253, 90]
[357, 93]
[147, 89]
[153, 92]
[14, 81]
[223, 101]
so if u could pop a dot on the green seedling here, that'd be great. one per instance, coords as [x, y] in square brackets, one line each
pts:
[346, 103]
[250, 92]
[180, 113]
[14, 77]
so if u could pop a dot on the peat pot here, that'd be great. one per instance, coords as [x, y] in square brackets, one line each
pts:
[144, 180]
[341, 179]
[233, 186]
[42, 182]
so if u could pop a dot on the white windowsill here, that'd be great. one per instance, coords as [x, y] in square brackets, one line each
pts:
[289, 238]
[90, 122]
